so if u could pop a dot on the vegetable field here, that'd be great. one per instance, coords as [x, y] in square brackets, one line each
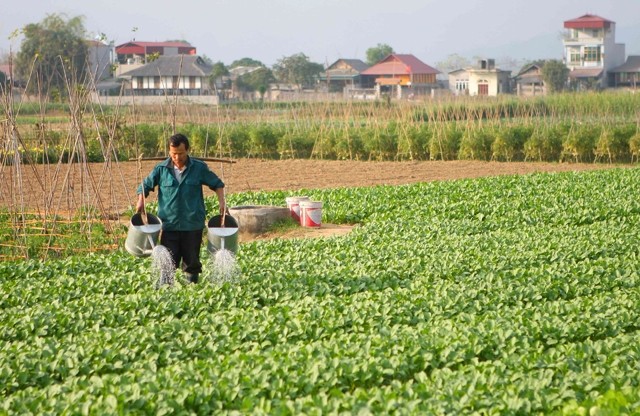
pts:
[507, 295]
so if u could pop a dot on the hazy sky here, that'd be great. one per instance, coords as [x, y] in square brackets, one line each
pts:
[326, 30]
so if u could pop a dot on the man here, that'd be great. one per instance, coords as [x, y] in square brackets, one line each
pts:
[181, 203]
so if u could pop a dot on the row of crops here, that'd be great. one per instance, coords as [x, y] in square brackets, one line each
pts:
[514, 140]
[569, 127]
[507, 295]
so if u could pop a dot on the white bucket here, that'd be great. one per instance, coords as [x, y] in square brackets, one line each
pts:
[293, 203]
[311, 213]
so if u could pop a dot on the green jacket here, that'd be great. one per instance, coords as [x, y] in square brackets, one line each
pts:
[181, 204]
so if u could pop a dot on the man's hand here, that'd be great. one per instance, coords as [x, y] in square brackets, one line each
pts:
[221, 200]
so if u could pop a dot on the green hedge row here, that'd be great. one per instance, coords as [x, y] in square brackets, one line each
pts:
[562, 141]
[421, 141]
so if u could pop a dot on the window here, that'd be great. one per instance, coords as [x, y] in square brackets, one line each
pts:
[462, 84]
[574, 55]
[592, 54]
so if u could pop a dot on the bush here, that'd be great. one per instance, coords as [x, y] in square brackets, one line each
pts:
[381, 143]
[509, 143]
[323, 145]
[476, 144]
[235, 141]
[294, 146]
[613, 145]
[445, 143]
[263, 142]
[349, 146]
[544, 145]
[634, 146]
[580, 143]
[413, 142]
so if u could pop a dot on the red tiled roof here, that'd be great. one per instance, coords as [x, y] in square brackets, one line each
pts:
[397, 64]
[135, 47]
[588, 21]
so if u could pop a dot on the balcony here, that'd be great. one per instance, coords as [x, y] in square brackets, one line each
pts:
[579, 40]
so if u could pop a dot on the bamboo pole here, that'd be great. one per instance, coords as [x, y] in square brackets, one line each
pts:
[205, 159]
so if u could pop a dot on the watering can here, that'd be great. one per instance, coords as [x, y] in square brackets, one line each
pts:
[222, 238]
[142, 238]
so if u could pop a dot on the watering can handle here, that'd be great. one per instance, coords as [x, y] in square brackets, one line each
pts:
[143, 210]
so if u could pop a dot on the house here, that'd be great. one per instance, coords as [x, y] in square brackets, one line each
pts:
[627, 74]
[400, 75]
[529, 81]
[483, 80]
[170, 75]
[343, 73]
[136, 52]
[132, 55]
[591, 51]
[459, 82]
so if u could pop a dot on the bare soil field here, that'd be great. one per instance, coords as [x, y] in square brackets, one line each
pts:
[117, 182]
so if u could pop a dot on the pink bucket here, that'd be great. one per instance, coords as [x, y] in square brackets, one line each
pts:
[311, 213]
[293, 203]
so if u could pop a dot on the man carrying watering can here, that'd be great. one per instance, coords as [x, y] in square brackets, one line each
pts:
[181, 203]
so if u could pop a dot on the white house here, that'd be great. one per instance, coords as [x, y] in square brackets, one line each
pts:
[172, 75]
[483, 80]
[459, 82]
[591, 51]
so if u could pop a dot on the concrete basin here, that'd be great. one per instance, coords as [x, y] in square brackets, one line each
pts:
[254, 220]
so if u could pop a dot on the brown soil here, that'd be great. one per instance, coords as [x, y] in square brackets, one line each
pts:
[118, 193]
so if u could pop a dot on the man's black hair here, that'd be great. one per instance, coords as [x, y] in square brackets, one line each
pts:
[177, 139]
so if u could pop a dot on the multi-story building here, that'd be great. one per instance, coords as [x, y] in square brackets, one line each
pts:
[591, 51]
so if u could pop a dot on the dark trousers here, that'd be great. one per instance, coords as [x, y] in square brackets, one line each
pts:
[184, 247]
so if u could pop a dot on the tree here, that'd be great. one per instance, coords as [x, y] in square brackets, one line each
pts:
[378, 52]
[219, 70]
[246, 62]
[53, 54]
[554, 74]
[256, 80]
[537, 62]
[298, 70]
[453, 62]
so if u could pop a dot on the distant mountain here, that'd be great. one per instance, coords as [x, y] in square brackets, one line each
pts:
[548, 46]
